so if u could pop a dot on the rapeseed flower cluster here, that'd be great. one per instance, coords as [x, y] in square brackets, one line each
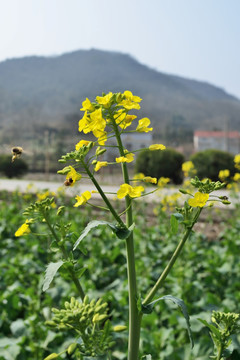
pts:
[188, 168]
[106, 117]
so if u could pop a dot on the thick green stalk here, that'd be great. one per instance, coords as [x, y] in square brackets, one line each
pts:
[171, 262]
[219, 356]
[134, 315]
[65, 254]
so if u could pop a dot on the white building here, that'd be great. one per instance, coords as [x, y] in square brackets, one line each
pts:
[220, 140]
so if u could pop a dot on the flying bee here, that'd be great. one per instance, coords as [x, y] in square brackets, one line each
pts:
[68, 182]
[16, 152]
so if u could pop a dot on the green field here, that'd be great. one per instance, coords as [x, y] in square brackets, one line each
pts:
[206, 277]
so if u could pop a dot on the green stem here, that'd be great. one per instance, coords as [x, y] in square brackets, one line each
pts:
[65, 254]
[171, 262]
[134, 315]
[219, 355]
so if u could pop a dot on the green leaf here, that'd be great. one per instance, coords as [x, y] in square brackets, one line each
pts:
[174, 224]
[176, 219]
[121, 233]
[51, 271]
[146, 309]
[213, 328]
[18, 327]
[147, 357]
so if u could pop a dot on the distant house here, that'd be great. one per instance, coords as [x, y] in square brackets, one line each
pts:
[219, 140]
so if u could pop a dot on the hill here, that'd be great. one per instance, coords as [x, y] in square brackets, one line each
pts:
[38, 92]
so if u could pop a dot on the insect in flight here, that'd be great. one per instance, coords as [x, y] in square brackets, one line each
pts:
[68, 182]
[16, 152]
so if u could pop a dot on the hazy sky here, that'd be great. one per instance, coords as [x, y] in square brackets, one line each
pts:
[198, 39]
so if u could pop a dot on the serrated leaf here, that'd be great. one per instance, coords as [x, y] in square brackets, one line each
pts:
[180, 303]
[51, 271]
[121, 233]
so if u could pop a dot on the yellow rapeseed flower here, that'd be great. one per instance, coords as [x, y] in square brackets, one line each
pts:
[163, 181]
[82, 199]
[188, 167]
[143, 125]
[81, 143]
[87, 105]
[132, 191]
[223, 174]
[149, 179]
[237, 161]
[237, 158]
[102, 137]
[105, 100]
[130, 101]
[154, 147]
[23, 230]
[72, 177]
[43, 196]
[138, 176]
[100, 164]
[236, 177]
[129, 157]
[199, 200]
[123, 120]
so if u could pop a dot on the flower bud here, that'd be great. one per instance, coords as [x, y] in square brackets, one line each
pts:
[185, 192]
[119, 97]
[119, 328]
[86, 300]
[72, 302]
[71, 348]
[52, 356]
[60, 210]
[100, 151]
[64, 171]
[50, 323]
[67, 305]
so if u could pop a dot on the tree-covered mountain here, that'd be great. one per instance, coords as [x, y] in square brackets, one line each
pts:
[48, 91]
